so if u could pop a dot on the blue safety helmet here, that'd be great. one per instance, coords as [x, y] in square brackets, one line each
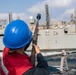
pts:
[17, 34]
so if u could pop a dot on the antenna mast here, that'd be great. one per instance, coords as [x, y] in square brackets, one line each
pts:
[47, 16]
[72, 18]
[10, 17]
[75, 19]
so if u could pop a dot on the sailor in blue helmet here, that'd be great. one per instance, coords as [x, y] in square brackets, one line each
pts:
[17, 38]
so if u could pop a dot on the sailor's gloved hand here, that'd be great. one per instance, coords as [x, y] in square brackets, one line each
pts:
[37, 49]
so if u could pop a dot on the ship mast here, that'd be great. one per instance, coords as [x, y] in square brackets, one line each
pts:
[75, 19]
[72, 18]
[47, 16]
[10, 17]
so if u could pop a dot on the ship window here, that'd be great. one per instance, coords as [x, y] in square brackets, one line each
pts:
[55, 33]
[46, 34]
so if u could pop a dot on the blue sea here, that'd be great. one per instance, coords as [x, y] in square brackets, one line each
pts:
[54, 62]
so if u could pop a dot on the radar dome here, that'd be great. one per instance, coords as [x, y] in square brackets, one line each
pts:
[32, 20]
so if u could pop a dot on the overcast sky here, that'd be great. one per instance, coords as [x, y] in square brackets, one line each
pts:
[58, 9]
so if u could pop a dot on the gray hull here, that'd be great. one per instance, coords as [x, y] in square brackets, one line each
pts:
[54, 39]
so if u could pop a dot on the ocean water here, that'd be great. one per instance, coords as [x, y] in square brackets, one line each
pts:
[55, 61]
[52, 61]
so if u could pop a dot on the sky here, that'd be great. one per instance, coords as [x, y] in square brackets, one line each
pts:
[58, 9]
